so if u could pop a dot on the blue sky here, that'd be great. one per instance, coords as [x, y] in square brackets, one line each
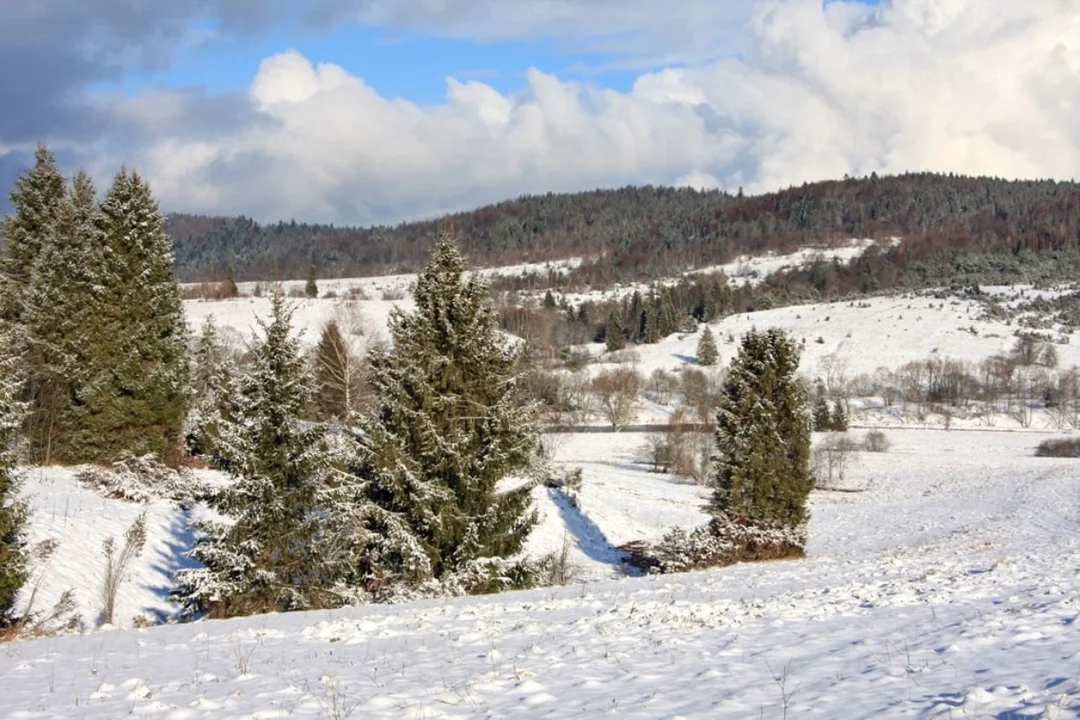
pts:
[370, 111]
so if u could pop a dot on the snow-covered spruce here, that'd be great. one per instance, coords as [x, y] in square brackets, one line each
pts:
[13, 510]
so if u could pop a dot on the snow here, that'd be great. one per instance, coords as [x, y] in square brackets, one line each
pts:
[945, 584]
[948, 587]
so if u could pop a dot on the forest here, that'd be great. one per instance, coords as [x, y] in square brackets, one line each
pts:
[953, 228]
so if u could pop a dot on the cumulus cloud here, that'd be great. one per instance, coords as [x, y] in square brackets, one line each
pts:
[817, 92]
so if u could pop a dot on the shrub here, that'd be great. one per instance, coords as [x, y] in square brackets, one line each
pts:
[1059, 447]
[723, 541]
[141, 479]
[876, 442]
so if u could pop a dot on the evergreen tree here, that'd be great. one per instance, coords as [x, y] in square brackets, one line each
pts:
[62, 303]
[452, 420]
[275, 555]
[311, 289]
[822, 416]
[549, 301]
[13, 512]
[838, 419]
[36, 199]
[215, 390]
[763, 434]
[614, 335]
[231, 290]
[132, 391]
[707, 353]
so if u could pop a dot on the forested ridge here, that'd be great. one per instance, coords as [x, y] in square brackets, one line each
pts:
[648, 231]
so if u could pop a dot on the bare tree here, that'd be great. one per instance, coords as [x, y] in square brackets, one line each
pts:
[338, 376]
[616, 392]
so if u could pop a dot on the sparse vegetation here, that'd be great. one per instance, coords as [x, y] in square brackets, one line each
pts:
[1059, 447]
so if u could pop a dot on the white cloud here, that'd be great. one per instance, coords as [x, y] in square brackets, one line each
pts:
[947, 85]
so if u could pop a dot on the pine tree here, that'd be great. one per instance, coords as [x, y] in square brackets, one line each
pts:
[273, 556]
[215, 391]
[133, 391]
[763, 434]
[452, 420]
[13, 512]
[63, 299]
[338, 378]
[311, 289]
[36, 199]
[707, 353]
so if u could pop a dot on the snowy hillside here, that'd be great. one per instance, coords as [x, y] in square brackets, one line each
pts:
[948, 587]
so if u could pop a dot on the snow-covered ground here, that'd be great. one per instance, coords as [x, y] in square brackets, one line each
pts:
[948, 587]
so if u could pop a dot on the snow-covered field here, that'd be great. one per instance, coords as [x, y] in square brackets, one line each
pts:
[948, 587]
[946, 584]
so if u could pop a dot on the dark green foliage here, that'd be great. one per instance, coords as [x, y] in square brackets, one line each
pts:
[311, 289]
[272, 557]
[63, 301]
[822, 416]
[231, 290]
[614, 334]
[452, 419]
[13, 512]
[36, 199]
[954, 228]
[707, 353]
[839, 419]
[763, 434]
[131, 391]
[214, 393]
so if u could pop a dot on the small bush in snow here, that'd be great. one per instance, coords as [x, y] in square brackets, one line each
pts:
[876, 442]
[117, 565]
[723, 541]
[1060, 447]
[142, 479]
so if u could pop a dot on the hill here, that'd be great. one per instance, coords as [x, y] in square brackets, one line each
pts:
[978, 227]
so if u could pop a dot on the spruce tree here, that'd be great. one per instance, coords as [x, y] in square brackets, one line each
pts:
[35, 199]
[269, 557]
[763, 435]
[838, 418]
[13, 511]
[133, 391]
[311, 289]
[707, 353]
[231, 290]
[821, 415]
[614, 335]
[62, 304]
[452, 420]
[214, 389]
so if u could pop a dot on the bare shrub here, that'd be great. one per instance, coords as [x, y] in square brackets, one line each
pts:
[558, 567]
[32, 622]
[1059, 447]
[393, 293]
[628, 356]
[662, 386]
[723, 541]
[659, 452]
[117, 566]
[349, 316]
[616, 392]
[831, 459]
[875, 441]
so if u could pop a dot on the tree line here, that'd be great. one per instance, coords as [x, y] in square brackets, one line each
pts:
[949, 225]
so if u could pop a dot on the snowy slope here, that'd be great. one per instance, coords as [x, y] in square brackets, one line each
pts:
[949, 587]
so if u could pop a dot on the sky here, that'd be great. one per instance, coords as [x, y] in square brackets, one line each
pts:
[380, 111]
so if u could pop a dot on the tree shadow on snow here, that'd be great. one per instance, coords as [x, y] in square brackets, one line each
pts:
[170, 559]
[688, 359]
[588, 536]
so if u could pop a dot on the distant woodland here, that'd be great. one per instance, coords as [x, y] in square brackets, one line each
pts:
[955, 229]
